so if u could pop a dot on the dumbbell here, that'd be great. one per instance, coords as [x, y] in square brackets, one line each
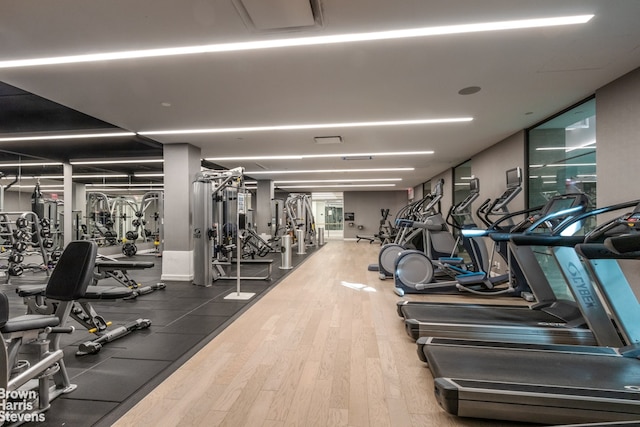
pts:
[129, 249]
[15, 270]
[22, 222]
[16, 258]
[131, 235]
[20, 246]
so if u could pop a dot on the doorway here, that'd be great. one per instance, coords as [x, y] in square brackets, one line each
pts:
[328, 211]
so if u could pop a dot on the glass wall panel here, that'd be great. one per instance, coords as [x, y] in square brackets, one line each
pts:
[562, 155]
[562, 159]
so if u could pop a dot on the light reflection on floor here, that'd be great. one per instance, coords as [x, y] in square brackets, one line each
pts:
[357, 286]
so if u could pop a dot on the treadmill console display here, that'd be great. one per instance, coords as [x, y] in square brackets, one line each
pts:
[437, 189]
[514, 186]
[474, 192]
[633, 220]
[514, 178]
[474, 185]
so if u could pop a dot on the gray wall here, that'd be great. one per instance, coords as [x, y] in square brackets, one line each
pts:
[17, 201]
[617, 120]
[366, 206]
[490, 165]
[418, 192]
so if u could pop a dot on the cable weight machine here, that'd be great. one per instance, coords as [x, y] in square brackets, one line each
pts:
[216, 234]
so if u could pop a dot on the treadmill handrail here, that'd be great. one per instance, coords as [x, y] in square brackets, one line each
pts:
[572, 220]
[623, 244]
[510, 215]
[552, 215]
[540, 239]
[482, 210]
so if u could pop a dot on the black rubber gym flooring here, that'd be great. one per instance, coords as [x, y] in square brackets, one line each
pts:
[184, 318]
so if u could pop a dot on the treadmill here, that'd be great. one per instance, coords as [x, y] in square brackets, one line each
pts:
[544, 383]
[551, 320]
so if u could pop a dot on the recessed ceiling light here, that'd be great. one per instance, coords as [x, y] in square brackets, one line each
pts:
[67, 136]
[327, 140]
[165, 104]
[357, 158]
[114, 161]
[309, 126]
[148, 175]
[24, 165]
[100, 176]
[337, 186]
[42, 186]
[329, 171]
[307, 181]
[302, 41]
[126, 184]
[318, 156]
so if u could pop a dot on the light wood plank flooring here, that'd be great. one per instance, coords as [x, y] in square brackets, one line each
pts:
[324, 348]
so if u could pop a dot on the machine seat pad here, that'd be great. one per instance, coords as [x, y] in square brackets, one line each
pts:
[123, 265]
[255, 261]
[30, 290]
[4, 308]
[107, 292]
[29, 322]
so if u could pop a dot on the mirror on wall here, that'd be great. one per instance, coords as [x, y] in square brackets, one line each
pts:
[31, 214]
[122, 209]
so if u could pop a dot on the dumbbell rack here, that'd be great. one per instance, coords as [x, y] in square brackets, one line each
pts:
[23, 233]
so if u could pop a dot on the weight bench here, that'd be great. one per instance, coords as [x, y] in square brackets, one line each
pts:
[30, 385]
[110, 268]
[369, 239]
[81, 310]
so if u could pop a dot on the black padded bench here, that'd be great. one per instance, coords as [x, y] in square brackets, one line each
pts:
[118, 270]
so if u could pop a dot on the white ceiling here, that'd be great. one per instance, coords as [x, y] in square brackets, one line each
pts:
[525, 75]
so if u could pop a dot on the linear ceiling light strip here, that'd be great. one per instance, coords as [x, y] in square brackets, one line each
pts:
[67, 136]
[303, 41]
[308, 126]
[317, 156]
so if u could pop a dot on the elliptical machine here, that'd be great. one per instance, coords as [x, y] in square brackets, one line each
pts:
[434, 269]
[481, 280]
[424, 213]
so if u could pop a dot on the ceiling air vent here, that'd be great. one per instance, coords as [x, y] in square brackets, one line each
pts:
[357, 158]
[274, 16]
[324, 140]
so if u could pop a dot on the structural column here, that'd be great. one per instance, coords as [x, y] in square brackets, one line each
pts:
[67, 226]
[181, 164]
[262, 213]
[79, 205]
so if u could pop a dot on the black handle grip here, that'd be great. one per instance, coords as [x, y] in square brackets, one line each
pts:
[623, 243]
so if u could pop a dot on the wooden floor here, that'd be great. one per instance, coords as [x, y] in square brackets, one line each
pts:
[324, 348]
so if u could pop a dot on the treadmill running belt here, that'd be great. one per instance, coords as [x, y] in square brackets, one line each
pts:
[519, 385]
